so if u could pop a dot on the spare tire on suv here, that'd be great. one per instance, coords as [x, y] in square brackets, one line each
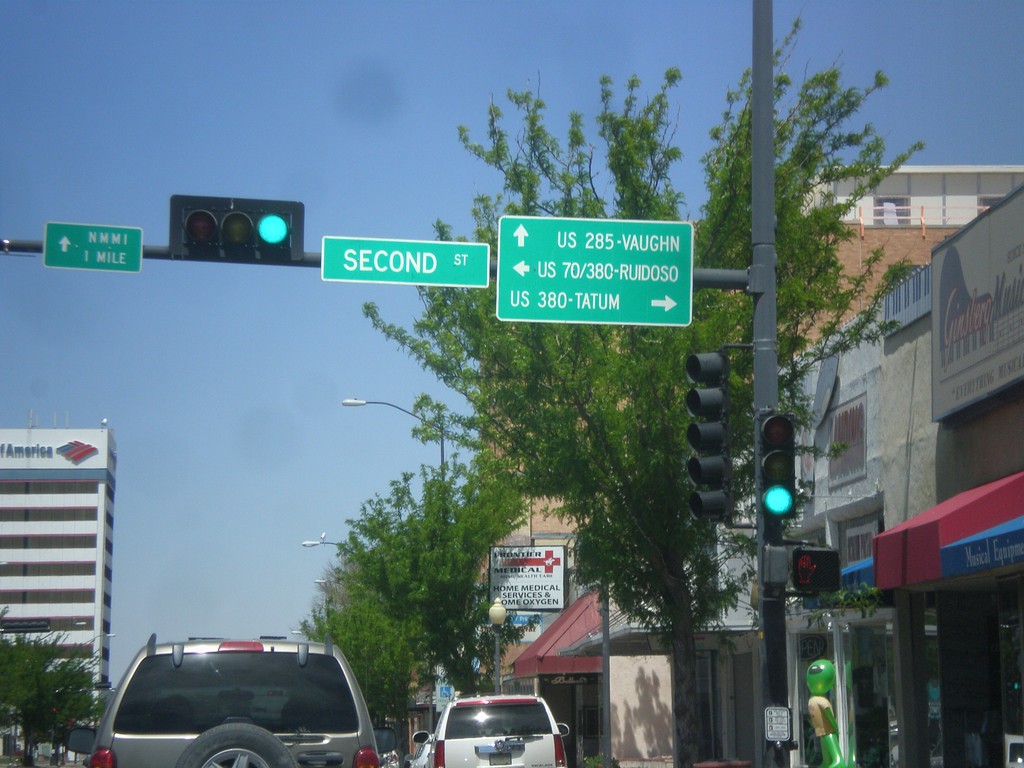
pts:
[267, 703]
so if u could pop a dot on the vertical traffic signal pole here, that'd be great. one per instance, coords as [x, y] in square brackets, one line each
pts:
[772, 606]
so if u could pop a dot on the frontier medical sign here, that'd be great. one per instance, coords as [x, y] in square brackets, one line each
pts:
[529, 578]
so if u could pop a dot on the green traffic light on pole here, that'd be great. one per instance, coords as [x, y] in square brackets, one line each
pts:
[778, 465]
[778, 501]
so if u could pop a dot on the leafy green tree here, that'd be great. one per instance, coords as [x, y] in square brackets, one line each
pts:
[376, 643]
[593, 416]
[45, 685]
[417, 564]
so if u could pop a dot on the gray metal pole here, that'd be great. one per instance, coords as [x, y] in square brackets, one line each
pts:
[606, 684]
[772, 608]
[497, 658]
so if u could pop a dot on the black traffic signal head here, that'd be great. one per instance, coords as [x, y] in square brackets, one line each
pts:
[24, 626]
[707, 368]
[710, 437]
[778, 466]
[815, 569]
[236, 229]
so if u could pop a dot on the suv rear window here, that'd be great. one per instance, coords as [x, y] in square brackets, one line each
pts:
[211, 688]
[497, 720]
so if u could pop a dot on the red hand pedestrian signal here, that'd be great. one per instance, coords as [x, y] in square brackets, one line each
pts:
[815, 569]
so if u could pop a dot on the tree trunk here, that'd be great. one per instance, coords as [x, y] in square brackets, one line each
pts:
[684, 697]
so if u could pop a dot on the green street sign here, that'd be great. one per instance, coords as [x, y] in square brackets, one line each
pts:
[92, 246]
[601, 271]
[406, 262]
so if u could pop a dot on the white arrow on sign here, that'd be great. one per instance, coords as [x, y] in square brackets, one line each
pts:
[64, 243]
[522, 268]
[667, 303]
[521, 234]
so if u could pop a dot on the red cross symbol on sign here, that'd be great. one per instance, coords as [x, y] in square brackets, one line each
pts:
[549, 561]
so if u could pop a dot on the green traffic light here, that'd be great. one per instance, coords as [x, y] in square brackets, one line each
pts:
[778, 500]
[273, 229]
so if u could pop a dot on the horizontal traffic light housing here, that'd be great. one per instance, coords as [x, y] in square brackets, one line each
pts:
[235, 229]
[24, 626]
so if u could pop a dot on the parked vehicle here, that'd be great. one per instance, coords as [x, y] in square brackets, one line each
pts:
[267, 703]
[499, 730]
[421, 756]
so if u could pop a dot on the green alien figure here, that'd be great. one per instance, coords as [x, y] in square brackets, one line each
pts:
[821, 675]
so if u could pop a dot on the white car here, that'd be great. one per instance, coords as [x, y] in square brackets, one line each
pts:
[500, 730]
[421, 757]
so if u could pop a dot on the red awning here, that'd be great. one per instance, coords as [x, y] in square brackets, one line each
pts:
[577, 621]
[910, 553]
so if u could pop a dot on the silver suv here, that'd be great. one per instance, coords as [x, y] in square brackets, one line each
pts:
[505, 730]
[267, 703]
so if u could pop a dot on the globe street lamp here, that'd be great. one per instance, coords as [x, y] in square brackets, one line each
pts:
[352, 402]
[497, 614]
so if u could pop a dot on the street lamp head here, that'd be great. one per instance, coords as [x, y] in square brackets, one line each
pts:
[497, 612]
[320, 542]
[353, 402]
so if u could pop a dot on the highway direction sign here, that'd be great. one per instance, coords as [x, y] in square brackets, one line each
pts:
[406, 262]
[603, 271]
[92, 246]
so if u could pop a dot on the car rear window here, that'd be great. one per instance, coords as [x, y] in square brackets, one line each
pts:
[268, 689]
[473, 722]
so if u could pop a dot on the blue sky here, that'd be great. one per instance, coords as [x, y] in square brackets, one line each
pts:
[223, 383]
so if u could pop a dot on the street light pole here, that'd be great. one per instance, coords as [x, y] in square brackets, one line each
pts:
[497, 614]
[320, 542]
[353, 402]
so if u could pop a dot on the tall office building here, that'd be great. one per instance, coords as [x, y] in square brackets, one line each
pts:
[57, 533]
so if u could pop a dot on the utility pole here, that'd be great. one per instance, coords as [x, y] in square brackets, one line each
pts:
[772, 606]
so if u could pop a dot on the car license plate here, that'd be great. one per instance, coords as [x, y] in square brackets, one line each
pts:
[500, 758]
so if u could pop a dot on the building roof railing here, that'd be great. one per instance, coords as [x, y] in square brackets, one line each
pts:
[918, 216]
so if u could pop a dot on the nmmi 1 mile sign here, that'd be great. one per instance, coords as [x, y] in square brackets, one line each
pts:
[529, 578]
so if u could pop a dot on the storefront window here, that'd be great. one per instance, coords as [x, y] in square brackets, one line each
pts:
[862, 652]
[868, 657]
[1011, 665]
[971, 696]
[810, 646]
[931, 646]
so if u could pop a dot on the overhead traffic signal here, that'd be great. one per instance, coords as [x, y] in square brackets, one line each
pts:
[778, 467]
[23, 626]
[709, 437]
[815, 569]
[237, 230]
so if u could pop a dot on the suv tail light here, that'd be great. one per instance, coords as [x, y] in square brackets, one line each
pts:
[103, 758]
[366, 758]
[439, 754]
[559, 751]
